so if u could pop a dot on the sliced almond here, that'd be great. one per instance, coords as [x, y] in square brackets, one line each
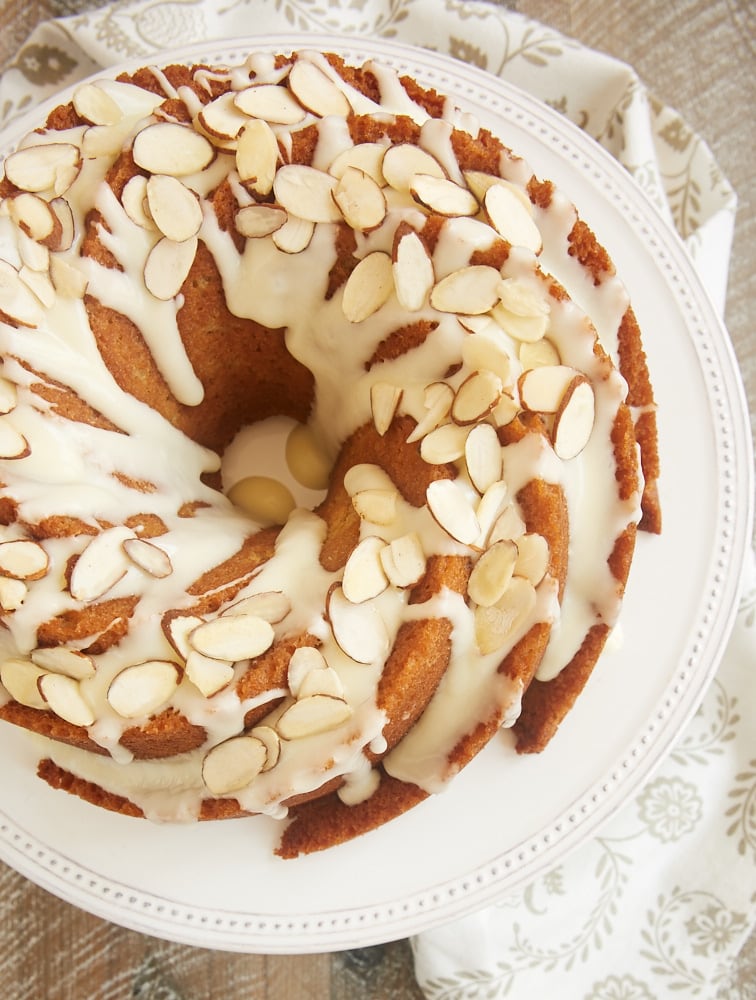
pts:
[403, 161]
[306, 193]
[317, 714]
[303, 660]
[528, 329]
[479, 182]
[359, 629]
[452, 509]
[221, 118]
[33, 215]
[171, 148]
[271, 605]
[438, 398]
[257, 156]
[491, 505]
[500, 625]
[13, 444]
[368, 287]
[23, 559]
[233, 765]
[8, 396]
[105, 141]
[12, 593]
[470, 290]
[323, 681]
[364, 577]
[255, 221]
[443, 196]
[134, 201]
[143, 688]
[384, 402]
[17, 301]
[532, 557]
[403, 560]
[68, 281]
[414, 276]
[62, 238]
[483, 456]
[178, 629]
[271, 102]
[492, 573]
[315, 91]
[208, 675]
[508, 524]
[167, 267]
[233, 637]
[360, 200]
[294, 236]
[40, 284]
[49, 166]
[63, 696]
[366, 156]
[511, 219]
[505, 410]
[20, 679]
[574, 419]
[100, 566]
[174, 208]
[95, 105]
[377, 506]
[61, 660]
[444, 444]
[272, 743]
[149, 557]
[540, 352]
[32, 254]
[476, 397]
[542, 389]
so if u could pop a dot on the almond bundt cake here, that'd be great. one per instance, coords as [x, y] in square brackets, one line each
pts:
[326, 432]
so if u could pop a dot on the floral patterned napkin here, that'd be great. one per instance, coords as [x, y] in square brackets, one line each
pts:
[659, 904]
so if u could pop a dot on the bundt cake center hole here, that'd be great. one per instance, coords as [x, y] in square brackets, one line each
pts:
[272, 467]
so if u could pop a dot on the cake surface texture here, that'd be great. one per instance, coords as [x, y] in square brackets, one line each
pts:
[325, 435]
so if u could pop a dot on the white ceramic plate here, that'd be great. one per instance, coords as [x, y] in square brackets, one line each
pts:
[505, 818]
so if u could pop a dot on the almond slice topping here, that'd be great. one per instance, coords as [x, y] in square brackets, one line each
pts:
[39, 284]
[20, 679]
[234, 764]
[364, 576]
[175, 209]
[306, 192]
[359, 629]
[254, 221]
[368, 287]
[483, 457]
[177, 630]
[315, 91]
[501, 623]
[12, 593]
[32, 215]
[542, 389]
[143, 688]
[384, 402]
[62, 238]
[376, 505]
[233, 637]
[490, 507]
[208, 675]
[492, 573]
[63, 695]
[317, 714]
[532, 557]
[573, 421]
[8, 396]
[414, 276]
[360, 200]
[473, 290]
[23, 559]
[403, 161]
[366, 156]
[101, 565]
[221, 118]
[273, 103]
[511, 219]
[540, 352]
[294, 236]
[508, 524]
[303, 660]
[272, 743]
[476, 397]
[69, 281]
[257, 156]
[134, 201]
[149, 557]
[443, 196]
[323, 681]
[271, 605]
[17, 301]
[403, 560]
[452, 509]
[167, 267]
[170, 148]
[51, 166]
[444, 444]
[528, 329]
[60, 660]
[95, 105]
[438, 399]
[13, 444]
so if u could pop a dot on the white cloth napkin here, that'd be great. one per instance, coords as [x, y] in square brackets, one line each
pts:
[659, 904]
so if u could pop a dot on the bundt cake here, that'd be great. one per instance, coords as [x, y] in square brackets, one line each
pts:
[320, 437]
